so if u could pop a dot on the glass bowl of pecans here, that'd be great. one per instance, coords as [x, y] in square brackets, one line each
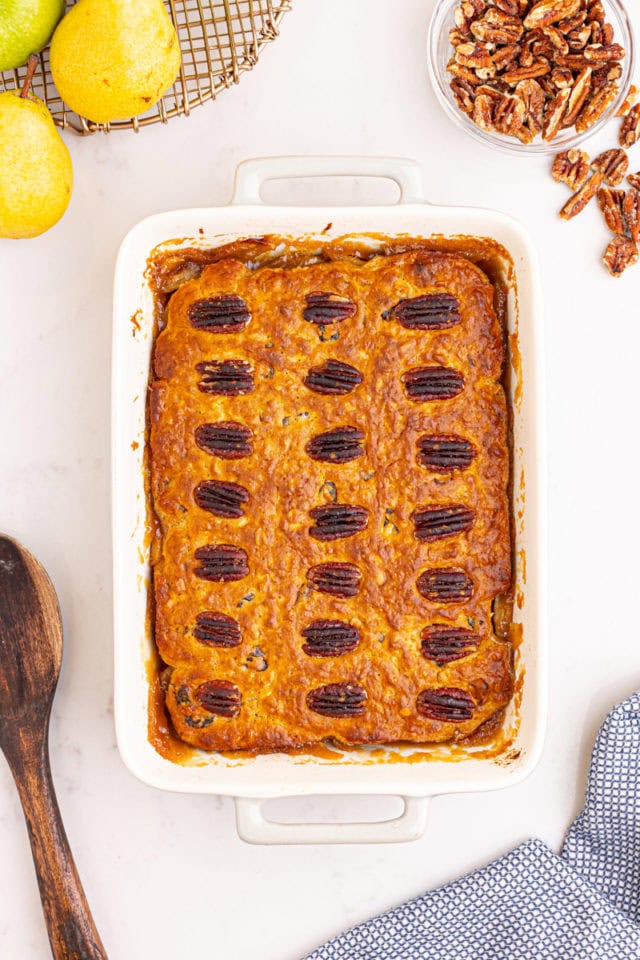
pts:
[531, 76]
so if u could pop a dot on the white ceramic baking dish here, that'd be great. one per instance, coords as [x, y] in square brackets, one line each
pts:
[415, 774]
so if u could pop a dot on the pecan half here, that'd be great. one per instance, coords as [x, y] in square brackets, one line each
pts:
[336, 521]
[224, 314]
[432, 383]
[338, 700]
[600, 53]
[631, 209]
[336, 579]
[613, 165]
[443, 453]
[221, 563]
[215, 629]
[579, 200]
[463, 94]
[620, 254]
[577, 97]
[226, 378]
[483, 111]
[475, 56]
[571, 167]
[449, 704]
[533, 98]
[431, 311]
[634, 180]
[630, 128]
[219, 697]
[339, 445]
[596, 105]
[444, 644]
[324, 308]
[509, 115]
[611, 203]
[226, 439]
[333, 378]
[554, 114]
[437, 522]
[445, 585]
[496, 26]
[550, 11]
[221, 498]
[330, 638]
[628, 102]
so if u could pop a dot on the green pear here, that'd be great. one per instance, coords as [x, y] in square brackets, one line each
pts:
[25, 27]
[36, 176]
[114, 59]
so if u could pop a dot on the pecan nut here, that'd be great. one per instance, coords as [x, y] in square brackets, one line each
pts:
[497, 27]
[634, 180]
[628, 102]
[444, 644]
[337, 521]
[613, 165]
[630, 128]
[225, 378]
[324, 308]
[596, 105]
[338, 700]
[545, 12]
[579, 200]
[330, 638]
[431, 311]
[448, 704]
[223, 499]
[571, 167]
[509, 115]
[220, 698]
[631, 210]
[224, 314]
[554, 114]
[221, 563]
[445, 585]
[437, 522]
[611, 204]
[333, 378]
[432, 383]
[444, 454]
[621, 253]
[225, 439]
[215, 629]
[336, 579]
[339, 445]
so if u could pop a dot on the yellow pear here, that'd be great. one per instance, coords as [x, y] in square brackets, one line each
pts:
[36, 176]
[113, 59]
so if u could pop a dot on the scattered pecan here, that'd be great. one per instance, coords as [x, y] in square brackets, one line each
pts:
[444, 644]
[621, 253]
[225, 314]
[613, 165]
[339, 445]
[217, 630]
[630, 128]
[579, 200]
[628, 102]
[571, 167]
[221, 563]
[444, 454]
[333, 378]
[611, 203]
[634, 180]
[219, 697]
[222, 499]
[225, 439]
[449, 704]
[227, 378]
[430, 311]
[432, 383]
[338, 700]
[631, 210]
[445, 585]
[336, 521]
[330, 638]
[437, 522]
[336, 579]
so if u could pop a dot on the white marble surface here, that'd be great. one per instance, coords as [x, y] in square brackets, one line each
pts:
[166, 874]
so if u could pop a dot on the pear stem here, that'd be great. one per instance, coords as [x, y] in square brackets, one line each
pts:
[31, 69]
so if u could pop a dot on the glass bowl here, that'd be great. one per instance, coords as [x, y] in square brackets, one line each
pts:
[439, 54]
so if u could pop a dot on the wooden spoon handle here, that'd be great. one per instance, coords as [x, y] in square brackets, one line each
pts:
[72, 932]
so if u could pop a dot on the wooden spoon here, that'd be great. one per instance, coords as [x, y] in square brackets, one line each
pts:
[30, 658]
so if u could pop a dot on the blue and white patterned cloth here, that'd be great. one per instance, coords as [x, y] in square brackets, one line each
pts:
[532, 904]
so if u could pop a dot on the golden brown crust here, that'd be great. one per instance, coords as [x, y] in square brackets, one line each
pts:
[275, 602]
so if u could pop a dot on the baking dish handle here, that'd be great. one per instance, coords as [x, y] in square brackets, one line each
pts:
[252, 174]
[253, 826]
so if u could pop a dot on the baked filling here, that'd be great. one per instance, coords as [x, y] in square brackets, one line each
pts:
[329, 475]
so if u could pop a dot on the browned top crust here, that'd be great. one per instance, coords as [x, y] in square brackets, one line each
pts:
[397, 471]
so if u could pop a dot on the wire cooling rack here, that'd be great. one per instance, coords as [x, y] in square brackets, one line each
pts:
[219, 42]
